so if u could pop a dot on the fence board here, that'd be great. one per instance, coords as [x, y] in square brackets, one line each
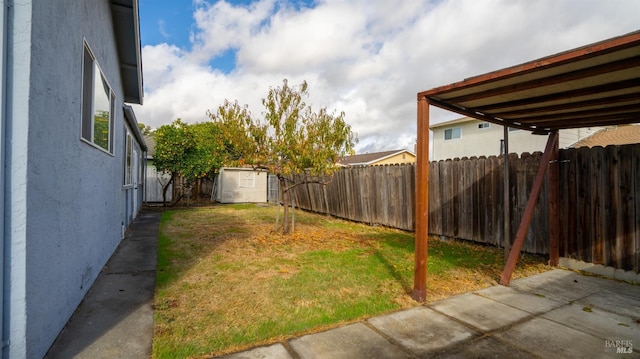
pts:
[435, 212]
[493, 230]
[635, 159]
[627, 208]
[598, 191]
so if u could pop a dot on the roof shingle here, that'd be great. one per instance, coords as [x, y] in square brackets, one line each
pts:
[613, 135]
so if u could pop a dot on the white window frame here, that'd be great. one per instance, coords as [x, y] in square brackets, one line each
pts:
[246, 179]
[513, 129]
[128, 153]
[90, 71]
[483, 125]
[452, 131]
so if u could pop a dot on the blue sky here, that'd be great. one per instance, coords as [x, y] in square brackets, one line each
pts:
[171, 21]
[165, 21]
[368, 58]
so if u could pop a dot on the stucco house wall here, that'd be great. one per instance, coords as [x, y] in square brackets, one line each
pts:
[485, 140]
[241, 185]
[65, 198]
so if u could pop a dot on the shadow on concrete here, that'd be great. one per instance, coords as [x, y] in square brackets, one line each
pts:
[115, 319]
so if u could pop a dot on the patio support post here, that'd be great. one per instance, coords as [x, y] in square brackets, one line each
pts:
[518, 242]
[554, 210]
[422, 202]
[506, 236]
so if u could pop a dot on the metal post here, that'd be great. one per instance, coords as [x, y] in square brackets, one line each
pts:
[554, 211]
[3, 114]
[507, 198]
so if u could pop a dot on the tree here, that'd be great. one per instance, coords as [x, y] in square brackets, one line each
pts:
[293, 142]
[145, 129]
[238, 134]
[187, 151]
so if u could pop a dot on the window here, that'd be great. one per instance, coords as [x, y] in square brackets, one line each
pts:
[483, 125]
[452, 133]
[128, 176]
[511, 129]
[98, 104]
[247, 179]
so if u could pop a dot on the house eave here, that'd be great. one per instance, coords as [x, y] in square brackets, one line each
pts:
[126, 24]
[130, 117]
[450, 123]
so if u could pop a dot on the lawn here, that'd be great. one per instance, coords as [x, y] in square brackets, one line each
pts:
[227, 281]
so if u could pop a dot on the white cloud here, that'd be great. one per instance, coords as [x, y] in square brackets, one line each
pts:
[162, 30]
[366, 58]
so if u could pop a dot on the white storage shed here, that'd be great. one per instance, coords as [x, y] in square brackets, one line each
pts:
[241, 185]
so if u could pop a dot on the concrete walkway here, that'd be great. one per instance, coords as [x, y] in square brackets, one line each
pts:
[557, 314]
[115, 319]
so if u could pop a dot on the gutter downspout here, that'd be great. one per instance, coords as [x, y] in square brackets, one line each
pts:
[3, 86]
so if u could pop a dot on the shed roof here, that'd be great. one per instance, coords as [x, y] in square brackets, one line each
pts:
[594, 85]
[126, 24]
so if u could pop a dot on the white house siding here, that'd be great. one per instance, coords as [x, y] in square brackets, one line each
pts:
[153, 184]
[476, 141]
[64, 194]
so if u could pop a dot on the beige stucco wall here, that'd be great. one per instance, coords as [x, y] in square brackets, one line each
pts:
[474, 141]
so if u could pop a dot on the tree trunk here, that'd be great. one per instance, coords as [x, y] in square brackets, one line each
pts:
[165, 188]
[293, 212]
[285, 216]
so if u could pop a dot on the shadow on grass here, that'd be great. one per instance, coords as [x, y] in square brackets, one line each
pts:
[179, 252]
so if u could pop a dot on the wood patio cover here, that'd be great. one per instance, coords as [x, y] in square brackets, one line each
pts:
[594, 85]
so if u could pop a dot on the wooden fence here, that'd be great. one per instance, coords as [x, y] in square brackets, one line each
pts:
[600, 205]
[599, 189]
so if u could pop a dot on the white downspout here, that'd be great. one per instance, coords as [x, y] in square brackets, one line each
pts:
[3, 83]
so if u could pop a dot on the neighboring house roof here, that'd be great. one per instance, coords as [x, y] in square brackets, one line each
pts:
[614, 135]
[151, 145]
[126, 24]
[369, 158]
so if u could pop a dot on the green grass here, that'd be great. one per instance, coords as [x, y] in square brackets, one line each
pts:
[227, 281]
